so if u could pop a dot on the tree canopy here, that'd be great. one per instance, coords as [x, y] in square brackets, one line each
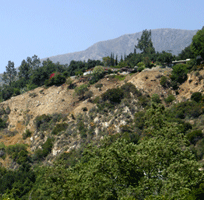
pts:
[197, 45]
[10, 74]
[145, 43]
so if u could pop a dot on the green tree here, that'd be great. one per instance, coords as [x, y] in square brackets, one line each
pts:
[112, 59]
[24, 70]
[147, 62]
[164, 81]
[165, 57]
[197, 45]
[114, 95]
[27, 67]
[186, 53]
[108, 172]
[155, 98]
[116, 60]
[170, 168]
[10, 74]
[35, 62]
[179, 74]
[145, 43]
[98, 71]
[106, 61]
[196, 96]
[121, 58]
[49, 183]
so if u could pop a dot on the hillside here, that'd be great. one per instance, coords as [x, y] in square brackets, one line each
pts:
[164, 39]
[26, 107]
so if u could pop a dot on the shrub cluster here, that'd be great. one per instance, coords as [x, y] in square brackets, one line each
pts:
[3, 124]
[46, 149]
[98, 73]
[170, 99]
[188, 109]
[130, 88]
[88, 94]
[33, 94]
[18, 153]
[194, 136]
[27, 134]
[59, 128]
[42, 122]
[178, 75]
[114, 95]
[139, 120]
[155, 98]
[80, 90]
[45, 122]
[99, 85]
[196, 96]
[55, 79]
[164, 81]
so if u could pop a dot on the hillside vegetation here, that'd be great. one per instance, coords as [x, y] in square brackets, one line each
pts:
[105, 135]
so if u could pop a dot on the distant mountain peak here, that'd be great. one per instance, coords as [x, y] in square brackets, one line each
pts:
[163, 39]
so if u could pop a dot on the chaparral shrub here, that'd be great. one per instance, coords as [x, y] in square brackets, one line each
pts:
[156, 98]
[178, 75]
[17, 152]
[99, 85]
[164, 81]
[55, 79]
[2, 111]
[27, 134]
[59, 128]
[52, 75]
[80, 90]
[187, 109]
[194, 136]
[170, 99]
[98, 73]
[88, 94]
[8, 110]
[46, 149]
[33, 94]
[130, 88]
[42, 120]
[3, 123]
[196, 96]
[114, 95]
[199, 149]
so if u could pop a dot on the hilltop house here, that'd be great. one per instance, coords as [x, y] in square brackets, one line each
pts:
[180, 61]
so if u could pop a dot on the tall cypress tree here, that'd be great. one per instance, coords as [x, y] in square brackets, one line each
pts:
[121, 58]
[116, 60]
[125, 56]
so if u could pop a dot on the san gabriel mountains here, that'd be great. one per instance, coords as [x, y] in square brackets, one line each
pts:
[166, 39]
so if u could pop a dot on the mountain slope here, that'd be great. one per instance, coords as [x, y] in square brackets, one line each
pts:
[165, 39]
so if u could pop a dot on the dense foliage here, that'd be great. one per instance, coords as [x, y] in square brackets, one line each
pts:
[197, 45]
[32, 73]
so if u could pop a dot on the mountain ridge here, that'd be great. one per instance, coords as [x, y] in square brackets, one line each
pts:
[164, 39]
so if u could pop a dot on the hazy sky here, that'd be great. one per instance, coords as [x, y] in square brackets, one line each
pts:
[52, 27]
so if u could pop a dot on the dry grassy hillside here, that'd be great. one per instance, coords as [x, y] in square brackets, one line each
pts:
[26, 107]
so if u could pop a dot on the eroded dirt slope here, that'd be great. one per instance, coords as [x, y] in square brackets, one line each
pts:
[24, 108]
